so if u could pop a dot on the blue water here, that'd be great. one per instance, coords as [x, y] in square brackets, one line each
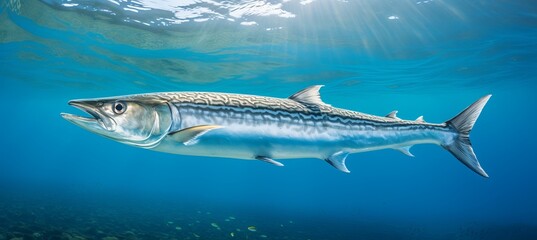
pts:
[431, 58]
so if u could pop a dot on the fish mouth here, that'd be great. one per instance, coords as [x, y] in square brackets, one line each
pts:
[95, 122]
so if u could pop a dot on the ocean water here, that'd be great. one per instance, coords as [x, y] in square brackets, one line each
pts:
[431, 58]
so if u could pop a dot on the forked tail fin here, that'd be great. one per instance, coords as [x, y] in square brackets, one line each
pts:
[463, 123]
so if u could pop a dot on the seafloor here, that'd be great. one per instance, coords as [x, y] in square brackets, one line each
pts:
[72, 218]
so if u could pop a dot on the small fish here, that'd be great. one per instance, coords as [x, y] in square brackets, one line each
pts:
[215, 226]
[232, 234]
[265, 129]
[252, 229]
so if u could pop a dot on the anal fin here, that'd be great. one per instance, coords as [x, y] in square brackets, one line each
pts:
[337, 160]
[269, 160]
[405, 150]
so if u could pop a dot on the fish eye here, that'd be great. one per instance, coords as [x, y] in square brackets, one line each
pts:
[119, 107]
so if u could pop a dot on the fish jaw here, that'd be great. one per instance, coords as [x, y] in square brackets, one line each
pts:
[97, 122]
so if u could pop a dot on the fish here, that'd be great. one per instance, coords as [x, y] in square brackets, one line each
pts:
[267, 129]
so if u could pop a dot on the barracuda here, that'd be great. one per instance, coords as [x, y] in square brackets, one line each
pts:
[265, 129]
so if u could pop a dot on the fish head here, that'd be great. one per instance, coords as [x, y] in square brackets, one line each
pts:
[140, 121]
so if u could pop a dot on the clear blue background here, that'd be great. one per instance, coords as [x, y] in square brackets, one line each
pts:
[433, 59]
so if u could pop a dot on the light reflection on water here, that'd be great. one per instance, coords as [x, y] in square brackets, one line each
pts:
[376, 45]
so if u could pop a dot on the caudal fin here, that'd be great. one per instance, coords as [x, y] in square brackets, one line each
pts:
[463, 123]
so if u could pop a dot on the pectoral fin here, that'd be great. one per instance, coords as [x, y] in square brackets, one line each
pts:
[189, 136]
[337, 160]
[269, 160]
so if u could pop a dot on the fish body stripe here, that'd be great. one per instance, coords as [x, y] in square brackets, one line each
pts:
[272, 106]
[313, 118]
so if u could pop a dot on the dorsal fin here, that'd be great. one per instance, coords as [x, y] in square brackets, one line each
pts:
[309, 95]
[392, 114]
[420, 119]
